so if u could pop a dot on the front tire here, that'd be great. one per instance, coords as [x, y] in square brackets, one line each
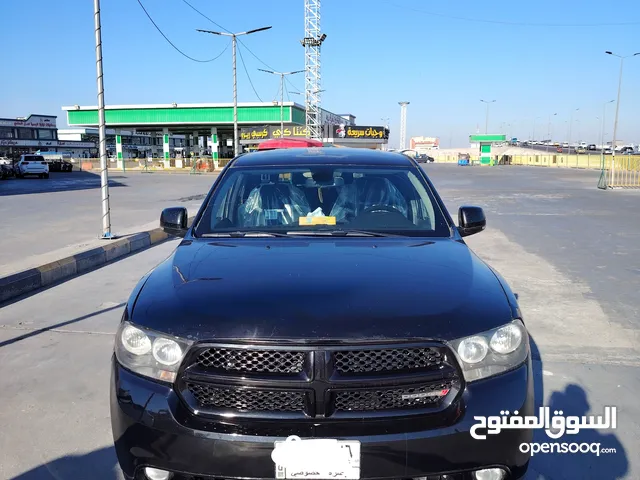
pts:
[46, 175]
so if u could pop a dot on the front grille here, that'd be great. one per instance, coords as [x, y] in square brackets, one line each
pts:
[392, 398]
[319, 381]
[252, 361]
[247, 400]
[387, 360]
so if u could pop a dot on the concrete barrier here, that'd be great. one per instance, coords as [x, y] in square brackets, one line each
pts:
[20, 283]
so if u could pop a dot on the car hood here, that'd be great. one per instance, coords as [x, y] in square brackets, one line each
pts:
[322, 289]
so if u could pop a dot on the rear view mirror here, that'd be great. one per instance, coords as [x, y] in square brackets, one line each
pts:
[471, 220]
[174, 221]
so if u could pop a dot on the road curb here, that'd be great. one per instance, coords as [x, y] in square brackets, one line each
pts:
[26, 281]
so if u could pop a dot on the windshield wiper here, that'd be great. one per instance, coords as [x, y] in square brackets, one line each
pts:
[243, 234]
[343, 233]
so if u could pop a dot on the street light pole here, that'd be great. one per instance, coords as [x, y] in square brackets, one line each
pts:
[549, 134]
[486, 120]
[604, 113]
[236, 143]
[102, 132]
[570, 125]
[615, 124]
[282, 74]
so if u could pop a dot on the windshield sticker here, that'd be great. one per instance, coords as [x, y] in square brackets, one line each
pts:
[317, 221]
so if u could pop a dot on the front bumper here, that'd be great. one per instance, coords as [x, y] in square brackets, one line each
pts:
[150, 430]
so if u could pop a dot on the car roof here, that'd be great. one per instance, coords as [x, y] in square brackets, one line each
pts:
[322, 156]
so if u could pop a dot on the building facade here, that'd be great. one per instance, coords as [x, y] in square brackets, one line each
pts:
[37, 133]
[134, 144]
[424, 144]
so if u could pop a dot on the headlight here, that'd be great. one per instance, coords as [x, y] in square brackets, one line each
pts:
[493, 352]
[152, 354]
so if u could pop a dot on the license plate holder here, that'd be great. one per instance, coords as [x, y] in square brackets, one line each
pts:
[316, 458]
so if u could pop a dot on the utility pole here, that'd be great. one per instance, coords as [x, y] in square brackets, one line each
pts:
[282, 74]
[570, 125]
[403, 124]
[102, 131]
[486, 122]
[549, 131]
[615, 124]
[604, 114]
[236, 142]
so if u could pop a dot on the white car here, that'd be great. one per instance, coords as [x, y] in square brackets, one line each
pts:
[32, 165]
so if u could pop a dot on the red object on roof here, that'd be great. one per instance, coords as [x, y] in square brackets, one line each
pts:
[289, 143]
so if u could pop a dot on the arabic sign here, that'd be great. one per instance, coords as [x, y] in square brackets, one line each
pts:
[358, 132]
[39, 121]
[554, 427]
[268, 132]
[328, 118]
[48, 143]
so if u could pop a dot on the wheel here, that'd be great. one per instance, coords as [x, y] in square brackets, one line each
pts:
[46, 175]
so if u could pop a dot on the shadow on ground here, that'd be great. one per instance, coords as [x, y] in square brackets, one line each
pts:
[99, 464]
[58, 325]
[573, 400]
[57, 182]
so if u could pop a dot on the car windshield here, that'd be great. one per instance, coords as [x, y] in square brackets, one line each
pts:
[323, 199]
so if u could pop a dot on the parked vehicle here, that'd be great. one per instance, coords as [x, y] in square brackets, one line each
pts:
[424, 158]
[592, 147]
[60, 166]
[31, 165]
[323, 313]
[5, 171]
[581, 149]
[464, 159]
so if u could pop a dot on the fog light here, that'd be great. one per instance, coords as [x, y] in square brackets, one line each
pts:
[490, 474]
[157, 474]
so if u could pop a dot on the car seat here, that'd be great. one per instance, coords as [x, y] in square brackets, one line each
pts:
[274, 204]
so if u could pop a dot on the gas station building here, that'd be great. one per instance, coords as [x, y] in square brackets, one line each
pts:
[208, 127]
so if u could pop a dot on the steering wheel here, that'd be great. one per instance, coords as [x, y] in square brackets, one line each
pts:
[381, 208]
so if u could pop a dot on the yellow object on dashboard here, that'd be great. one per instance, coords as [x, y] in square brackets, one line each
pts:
[317, 221]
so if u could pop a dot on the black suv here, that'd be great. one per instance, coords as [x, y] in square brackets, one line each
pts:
[321, 318]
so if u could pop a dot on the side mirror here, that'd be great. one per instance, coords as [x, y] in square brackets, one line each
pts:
[471, 220]
[174, 221]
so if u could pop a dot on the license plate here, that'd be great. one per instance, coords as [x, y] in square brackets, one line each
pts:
[319, 458]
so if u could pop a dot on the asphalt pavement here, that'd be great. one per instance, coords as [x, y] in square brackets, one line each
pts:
[569, 250]
[44, 215]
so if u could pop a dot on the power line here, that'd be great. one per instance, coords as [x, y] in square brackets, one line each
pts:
[277, 93]
[200, 13]
[292, 85]
[520, 24]
[172, 44]
[286, 90]
[248, 76]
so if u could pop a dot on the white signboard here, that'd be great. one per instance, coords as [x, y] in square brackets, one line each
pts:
[35, 121]
[328, 118]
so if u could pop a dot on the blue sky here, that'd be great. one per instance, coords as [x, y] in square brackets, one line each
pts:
[377, 53]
